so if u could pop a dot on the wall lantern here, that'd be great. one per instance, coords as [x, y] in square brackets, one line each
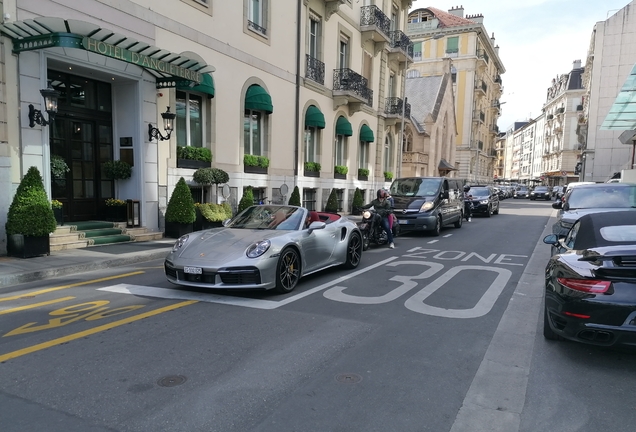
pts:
[50, 103]
[168, 119]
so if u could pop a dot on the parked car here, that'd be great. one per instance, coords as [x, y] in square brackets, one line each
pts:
[521, 192]
[485, 200]
[264, 247]
[590, 288]
[541, 192]
[592, 198]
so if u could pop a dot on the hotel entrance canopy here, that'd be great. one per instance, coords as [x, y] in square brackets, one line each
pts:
[169, 69]
[622, 114]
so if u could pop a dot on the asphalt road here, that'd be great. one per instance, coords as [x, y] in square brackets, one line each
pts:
[439, 334]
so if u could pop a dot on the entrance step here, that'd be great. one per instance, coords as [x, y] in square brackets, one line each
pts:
[92, 233]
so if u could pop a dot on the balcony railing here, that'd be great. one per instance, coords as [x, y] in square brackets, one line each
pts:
[349, 81]
[393, 107]
[414, 157]
[315, 70]
[402, 42]
[373, 16]
[418, 27]
[483, 55]
[481, 86]
[253, 26]
[479, 116]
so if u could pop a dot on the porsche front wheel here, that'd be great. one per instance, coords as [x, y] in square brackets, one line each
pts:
[287, 271]
[354, 251]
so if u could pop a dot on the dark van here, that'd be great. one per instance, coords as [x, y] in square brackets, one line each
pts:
[428, 203]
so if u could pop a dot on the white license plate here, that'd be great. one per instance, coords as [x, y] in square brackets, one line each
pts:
[193, 270]
[402, 221]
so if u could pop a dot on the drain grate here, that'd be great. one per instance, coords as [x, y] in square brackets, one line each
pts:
[348, 378]
[172, 381]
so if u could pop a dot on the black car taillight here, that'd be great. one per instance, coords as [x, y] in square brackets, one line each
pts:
[593, 286]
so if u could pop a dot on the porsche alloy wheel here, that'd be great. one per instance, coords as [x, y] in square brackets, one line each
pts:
[287, 271]
[548, 333]
[354, 251]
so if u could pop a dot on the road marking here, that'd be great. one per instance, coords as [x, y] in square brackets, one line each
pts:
[447, 235]
[48, 290]
[175, 294]
[35, 305]
[94, 330]
[433, 241]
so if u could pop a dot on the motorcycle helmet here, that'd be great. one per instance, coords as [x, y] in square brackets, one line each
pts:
[466, 188]
[380, 193]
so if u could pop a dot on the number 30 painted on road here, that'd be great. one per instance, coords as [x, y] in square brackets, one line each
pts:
[416, 303]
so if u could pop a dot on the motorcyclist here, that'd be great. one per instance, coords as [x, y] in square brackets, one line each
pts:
[392, 219]
[383, 208]
[468, 208]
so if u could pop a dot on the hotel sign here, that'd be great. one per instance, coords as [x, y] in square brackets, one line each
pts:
[147, 62]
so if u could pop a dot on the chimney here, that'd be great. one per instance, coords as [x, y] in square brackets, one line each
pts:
[478, 18]
[576, 64]
[497, 49]
[492, 38]
[457, 11]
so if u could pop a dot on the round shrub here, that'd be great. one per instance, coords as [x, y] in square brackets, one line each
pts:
[332, 202]
[294, 199]
[247, 200]
[30, 212]
[181, 205]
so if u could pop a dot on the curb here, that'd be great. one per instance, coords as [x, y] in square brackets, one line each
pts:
[132, 258]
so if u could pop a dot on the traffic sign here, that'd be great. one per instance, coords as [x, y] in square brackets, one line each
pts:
[564, 173]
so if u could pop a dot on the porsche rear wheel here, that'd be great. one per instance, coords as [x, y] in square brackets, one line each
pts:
[287, 271]
[354, 251]
[548, 333]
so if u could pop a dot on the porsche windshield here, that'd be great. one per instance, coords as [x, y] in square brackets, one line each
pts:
[268, 217]
[415, 187]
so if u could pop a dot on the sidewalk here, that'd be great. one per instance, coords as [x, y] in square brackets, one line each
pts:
[14, 271]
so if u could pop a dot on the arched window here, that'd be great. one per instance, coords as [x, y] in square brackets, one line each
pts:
[258, 106]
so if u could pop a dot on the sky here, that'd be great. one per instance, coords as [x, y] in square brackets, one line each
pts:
[538, 40]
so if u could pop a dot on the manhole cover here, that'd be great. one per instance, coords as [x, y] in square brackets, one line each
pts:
[172, 381]
[348, 378]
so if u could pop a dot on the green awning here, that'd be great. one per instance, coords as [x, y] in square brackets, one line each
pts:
[366, 134]
[314, 117]
[343, 127]
[206, 86]
[258, 99]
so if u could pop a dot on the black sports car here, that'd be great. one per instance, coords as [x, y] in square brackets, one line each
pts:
[590, 284]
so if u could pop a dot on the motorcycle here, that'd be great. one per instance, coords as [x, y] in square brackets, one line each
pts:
[372, 231]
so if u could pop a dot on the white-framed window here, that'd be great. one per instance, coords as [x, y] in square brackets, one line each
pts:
[391, 89]
[388, 155]
[314, 36]
[253, 133]
[340, 153]
[257, 16]
[309, 199]
[311, 144]
[363, 156]
[189, 119]
[343, 54]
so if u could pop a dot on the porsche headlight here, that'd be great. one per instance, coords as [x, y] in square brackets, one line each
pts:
[366, 214]
[426, 206]
[257, 249]
[483, 202]
[180, 242]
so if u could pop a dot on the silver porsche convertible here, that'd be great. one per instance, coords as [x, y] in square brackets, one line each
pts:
[264, 247]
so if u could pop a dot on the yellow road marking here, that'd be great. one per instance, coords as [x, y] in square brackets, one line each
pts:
[59, 341]
[35, 305]
[48, 290]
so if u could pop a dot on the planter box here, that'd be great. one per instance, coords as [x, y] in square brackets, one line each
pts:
[202, 223]
[192, 164]
[59, 216]
[389, 180]
[116, 213]
[340, 176]
[363, 177]
[176, 229]
[21, 246]
[311, 173]
[254, 169]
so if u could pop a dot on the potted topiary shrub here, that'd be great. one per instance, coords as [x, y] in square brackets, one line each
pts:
[180, 212]
[193, 157]
[340, 172]
[294, 199]
[210, 176]
[312, 169]
[30, 219]
[357, 202]
[388, 176]
[247, 200]
[363, 174]
[255, 164]
[58, 212]
[332, 202]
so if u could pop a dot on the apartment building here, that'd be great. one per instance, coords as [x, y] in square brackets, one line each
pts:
[562, 142]
[308, 89]
[476, 70]
[607, 120]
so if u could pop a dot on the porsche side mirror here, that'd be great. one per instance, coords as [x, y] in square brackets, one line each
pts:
[551, 239]
[557, 204]
[317, 225]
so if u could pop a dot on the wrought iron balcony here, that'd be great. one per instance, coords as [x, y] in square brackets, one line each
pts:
[393, 108]
[400, 46]
[423, 26]
[374, 23]
[494, 129]
[483, 55]
[315, 70]
[253, 26]
[497, 79]
[481, 88]
[352, 85]
[479, 116]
